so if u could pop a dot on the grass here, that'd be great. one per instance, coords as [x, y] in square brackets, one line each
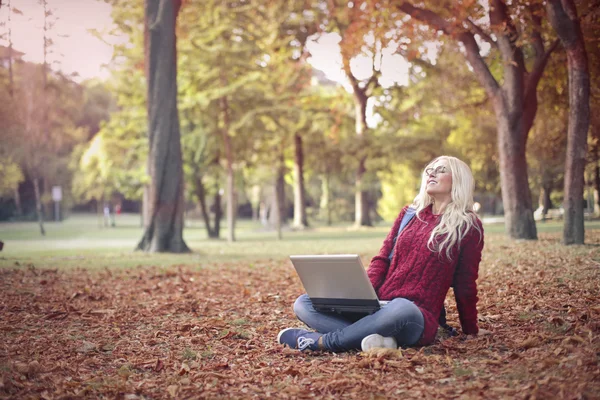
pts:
[80, 241]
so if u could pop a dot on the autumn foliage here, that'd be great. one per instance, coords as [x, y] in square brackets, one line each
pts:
[185, 332]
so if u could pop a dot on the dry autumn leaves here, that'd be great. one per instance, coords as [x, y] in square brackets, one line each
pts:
[183, 332]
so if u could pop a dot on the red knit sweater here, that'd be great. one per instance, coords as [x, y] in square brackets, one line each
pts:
[424, 277]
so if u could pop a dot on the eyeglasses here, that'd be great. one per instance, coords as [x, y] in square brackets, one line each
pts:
[439, 170]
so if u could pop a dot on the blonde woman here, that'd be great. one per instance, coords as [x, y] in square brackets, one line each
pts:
[440, 247]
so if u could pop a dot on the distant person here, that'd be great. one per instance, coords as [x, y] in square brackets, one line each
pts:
[476, 207]
[109, 216]
[440, 247]
[106, 214]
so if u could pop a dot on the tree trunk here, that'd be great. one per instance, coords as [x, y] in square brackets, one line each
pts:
[325, 204]
[256, 194]
[361, 206]
[596, 185]
[201, 195]
[218, 212]
[300, 220]
[230, 189]
[165, 195]
[19, 207]
[38, 205]
[276, 208]
[563, 18]
[545, 201]
[516, 195]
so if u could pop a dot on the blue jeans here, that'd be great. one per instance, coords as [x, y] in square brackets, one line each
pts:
[400, 318]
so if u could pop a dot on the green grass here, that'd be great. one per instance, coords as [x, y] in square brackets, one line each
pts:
[80, 241]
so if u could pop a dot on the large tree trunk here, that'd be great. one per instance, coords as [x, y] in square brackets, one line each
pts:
[230, 189]
[38, 205]
[563, 17]
[516, 195]
[300, 220]
[165, 195]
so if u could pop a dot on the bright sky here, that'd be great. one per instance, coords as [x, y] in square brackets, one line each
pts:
[79, 51]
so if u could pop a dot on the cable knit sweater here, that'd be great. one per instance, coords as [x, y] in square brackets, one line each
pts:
[424, 277]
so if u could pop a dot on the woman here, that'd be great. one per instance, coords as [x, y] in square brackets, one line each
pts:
[441, 246]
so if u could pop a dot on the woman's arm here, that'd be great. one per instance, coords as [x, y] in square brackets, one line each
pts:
[380, 263]
[465, 280]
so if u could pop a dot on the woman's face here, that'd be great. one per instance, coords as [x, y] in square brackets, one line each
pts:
[439, 180]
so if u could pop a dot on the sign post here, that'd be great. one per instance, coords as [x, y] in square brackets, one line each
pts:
[57, 197]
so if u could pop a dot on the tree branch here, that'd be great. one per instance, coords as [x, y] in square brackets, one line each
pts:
[479, 66]
[538, 68]
[484, 35]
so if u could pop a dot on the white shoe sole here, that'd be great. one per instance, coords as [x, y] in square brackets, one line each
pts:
[281, 332]
[376, 341]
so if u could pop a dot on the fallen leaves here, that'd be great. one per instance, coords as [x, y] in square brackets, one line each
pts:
[178, 332]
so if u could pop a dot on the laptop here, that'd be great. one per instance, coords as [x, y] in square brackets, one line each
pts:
[337, 283]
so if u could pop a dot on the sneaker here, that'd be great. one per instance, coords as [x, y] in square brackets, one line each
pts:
[300, 339]
[375, 341]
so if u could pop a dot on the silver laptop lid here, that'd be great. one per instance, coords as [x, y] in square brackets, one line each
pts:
[334, 276]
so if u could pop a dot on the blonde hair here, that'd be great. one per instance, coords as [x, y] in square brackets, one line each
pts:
[458, 217]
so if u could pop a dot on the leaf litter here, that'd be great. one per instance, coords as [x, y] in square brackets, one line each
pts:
[178, 332]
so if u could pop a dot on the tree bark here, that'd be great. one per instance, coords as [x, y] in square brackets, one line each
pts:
[165, 193]
[230, 189]
[300, 219]
[596, 182]
[514, 180]
[563, 18]
[545, 202]
[38, 205]
[201, 195]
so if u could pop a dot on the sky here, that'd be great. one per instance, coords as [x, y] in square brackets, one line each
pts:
[79, 51]
[76, 50]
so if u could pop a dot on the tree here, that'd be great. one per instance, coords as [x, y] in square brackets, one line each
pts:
[548, 138]
[354, 21]
[515, 100]
[166, 206]
[563, 17]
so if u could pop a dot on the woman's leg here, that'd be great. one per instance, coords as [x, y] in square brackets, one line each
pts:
[400, 318]
[319, 321]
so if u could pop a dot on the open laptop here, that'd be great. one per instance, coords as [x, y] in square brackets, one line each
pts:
[337, 283]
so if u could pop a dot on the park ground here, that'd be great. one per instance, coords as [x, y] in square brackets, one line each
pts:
[83, 316]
